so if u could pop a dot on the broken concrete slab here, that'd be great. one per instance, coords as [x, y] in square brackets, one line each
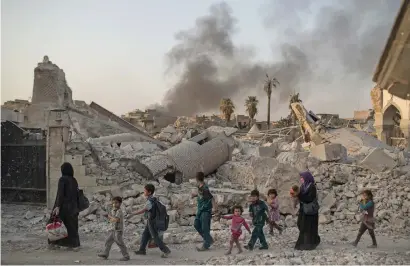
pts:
[169, 129]
[116, 192]
[214, 131]
[354, 140]
[200, 137]
[297, 159]
[126, 137]
[270, 151]
[329, 201]
[328, 152]
[378, 161]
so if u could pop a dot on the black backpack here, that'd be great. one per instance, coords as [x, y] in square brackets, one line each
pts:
[160, 215]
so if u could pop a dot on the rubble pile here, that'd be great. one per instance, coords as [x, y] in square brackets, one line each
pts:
[111, 163]
[188, 127]
[85, 123]
[181, 207]
[287, 256]
[340, 174]
[175, 135]
[339, 187]
[199, 121]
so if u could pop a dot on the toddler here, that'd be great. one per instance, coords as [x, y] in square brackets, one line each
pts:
[237, 222]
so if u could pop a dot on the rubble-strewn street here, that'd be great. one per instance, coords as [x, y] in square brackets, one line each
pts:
[254, 163]
[24, 242]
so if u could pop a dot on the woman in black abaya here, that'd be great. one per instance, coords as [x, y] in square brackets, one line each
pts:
[66, 207]
[308, 224]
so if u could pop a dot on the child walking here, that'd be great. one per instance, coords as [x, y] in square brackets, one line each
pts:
[150, 231]
[203, 216]
[237, 222]
[116, 233]
[366, 206]
[274, 214]
[258, 210]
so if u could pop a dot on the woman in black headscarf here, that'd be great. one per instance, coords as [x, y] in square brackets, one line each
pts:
[308, 218]
[66, 207]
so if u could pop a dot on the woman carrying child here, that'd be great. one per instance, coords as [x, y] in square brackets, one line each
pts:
[308, 217]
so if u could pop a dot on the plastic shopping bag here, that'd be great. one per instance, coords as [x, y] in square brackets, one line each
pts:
[56, 230]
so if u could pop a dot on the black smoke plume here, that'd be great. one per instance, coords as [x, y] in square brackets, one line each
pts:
[327, 60]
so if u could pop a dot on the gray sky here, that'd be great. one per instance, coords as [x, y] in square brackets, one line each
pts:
[113, 52]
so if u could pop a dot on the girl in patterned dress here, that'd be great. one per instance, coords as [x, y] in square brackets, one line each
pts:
[274, 215]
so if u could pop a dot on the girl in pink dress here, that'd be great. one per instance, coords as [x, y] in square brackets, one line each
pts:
[274, 215]
[237, 222]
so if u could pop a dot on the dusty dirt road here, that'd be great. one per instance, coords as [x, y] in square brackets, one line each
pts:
[32, 249]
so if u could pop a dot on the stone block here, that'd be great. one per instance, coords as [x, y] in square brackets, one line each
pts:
[74, 160]
[378, 161]
[269, 151]
[116, 192]
[97, 190]
[328, 152]
[79, 170]
[86, 181]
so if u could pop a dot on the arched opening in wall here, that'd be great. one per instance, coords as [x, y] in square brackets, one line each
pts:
[170, 177]
[174, 177]
[391, 126]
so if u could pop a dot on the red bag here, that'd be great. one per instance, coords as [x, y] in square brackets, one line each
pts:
[152, 244]
[56, 229]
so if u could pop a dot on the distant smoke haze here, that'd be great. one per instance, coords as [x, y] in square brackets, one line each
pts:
[330, 60]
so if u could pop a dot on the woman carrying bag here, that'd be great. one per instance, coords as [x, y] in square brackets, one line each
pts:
[69, 202]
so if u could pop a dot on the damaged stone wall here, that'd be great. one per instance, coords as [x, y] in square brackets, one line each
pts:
[97, 164]
[109, 164]
[57, 137]
[50, 85]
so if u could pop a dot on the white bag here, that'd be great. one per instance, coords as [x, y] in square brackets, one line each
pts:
[56, 230]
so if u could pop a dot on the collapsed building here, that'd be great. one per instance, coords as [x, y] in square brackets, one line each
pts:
[115, 157]
[152, 120]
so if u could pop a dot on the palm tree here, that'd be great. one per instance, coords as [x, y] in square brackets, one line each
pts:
[251, 105]
[270, 84]
[227, 108]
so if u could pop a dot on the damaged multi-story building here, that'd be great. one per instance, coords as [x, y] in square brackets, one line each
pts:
[391, 95]
[151, 119]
